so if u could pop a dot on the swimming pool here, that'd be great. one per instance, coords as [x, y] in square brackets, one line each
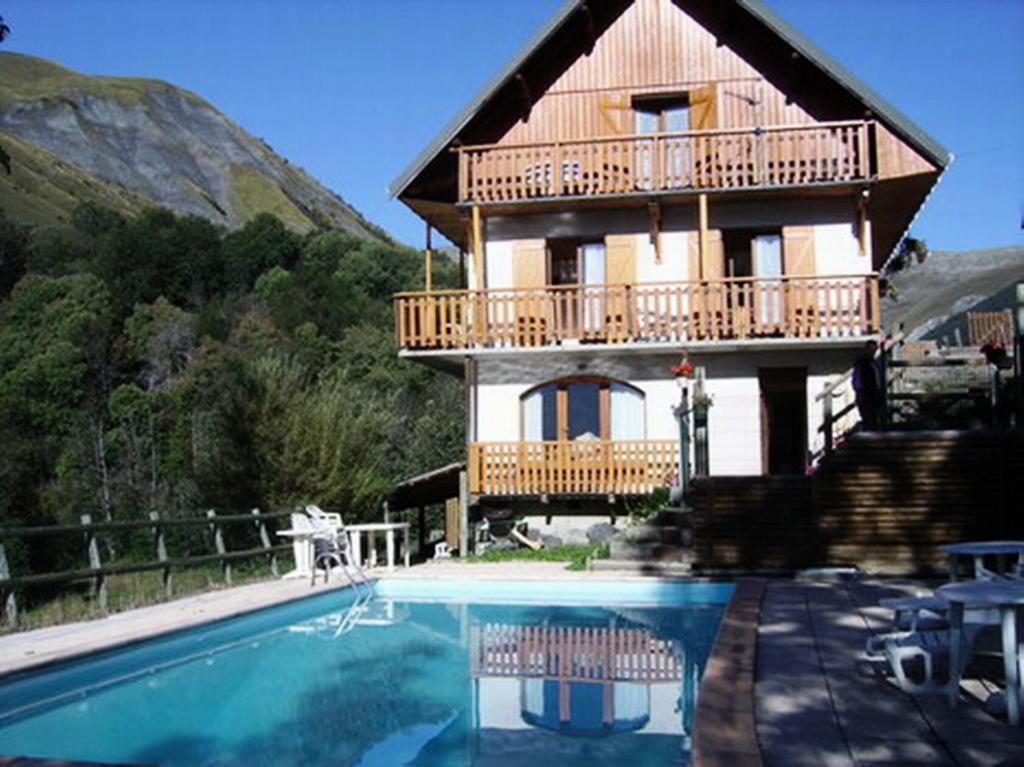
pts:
[428, 673]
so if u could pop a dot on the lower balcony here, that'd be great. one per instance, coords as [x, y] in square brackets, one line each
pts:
[579, 467]
[720, 310]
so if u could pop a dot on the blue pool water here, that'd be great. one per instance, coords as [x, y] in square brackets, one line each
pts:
[425, 674]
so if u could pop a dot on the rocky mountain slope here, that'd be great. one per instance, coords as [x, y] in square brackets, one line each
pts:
[933, 297]
[132, 142]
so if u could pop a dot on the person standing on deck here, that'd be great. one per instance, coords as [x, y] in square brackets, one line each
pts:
[868, 386]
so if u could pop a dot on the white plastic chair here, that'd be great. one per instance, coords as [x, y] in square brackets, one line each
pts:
[331, 545]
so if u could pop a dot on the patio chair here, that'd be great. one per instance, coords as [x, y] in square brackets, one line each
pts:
[910, 615]
[331, 548]
[920, 659]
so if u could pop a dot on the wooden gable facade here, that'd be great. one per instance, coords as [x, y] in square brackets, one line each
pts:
[604, 62]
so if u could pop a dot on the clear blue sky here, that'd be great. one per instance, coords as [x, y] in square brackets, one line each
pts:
[353, 89]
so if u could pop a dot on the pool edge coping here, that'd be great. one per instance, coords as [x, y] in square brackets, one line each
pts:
[725, 726]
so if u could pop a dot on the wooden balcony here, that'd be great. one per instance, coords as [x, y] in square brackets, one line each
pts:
[749, 158]
[721, 310]
[580, 467]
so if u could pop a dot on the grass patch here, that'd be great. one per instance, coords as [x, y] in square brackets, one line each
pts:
[252, 193]
[576, 556]
[76, 602]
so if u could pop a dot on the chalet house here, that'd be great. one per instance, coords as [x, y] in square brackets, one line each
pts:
[648, 179]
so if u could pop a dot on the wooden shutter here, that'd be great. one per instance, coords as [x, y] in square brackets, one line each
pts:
[620, 259]
[798, 251]
[703, 108]
[619, 271]
[530, 309]
[529, 264]
[693, 272]
[803, 308]
[714, 255]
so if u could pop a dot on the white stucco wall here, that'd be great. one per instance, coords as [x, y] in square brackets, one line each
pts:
[734, 420]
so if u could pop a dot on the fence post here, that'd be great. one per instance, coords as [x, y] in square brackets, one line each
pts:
[218, 542]
[93, 548]
[10, 602]
[261, 525]
[161, 552]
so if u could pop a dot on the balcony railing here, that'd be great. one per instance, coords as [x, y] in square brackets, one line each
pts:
[721, 310]
[579, 467]
[697, 160]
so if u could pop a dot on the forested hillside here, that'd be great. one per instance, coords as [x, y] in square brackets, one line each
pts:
[159, 363]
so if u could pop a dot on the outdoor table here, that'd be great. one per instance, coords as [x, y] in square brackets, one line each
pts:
[1008, 598]
[978, 551]
[355, 533]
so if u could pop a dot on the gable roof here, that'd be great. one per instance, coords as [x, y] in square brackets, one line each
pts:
[899, 123]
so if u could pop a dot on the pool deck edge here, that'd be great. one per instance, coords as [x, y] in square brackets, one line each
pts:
[725, 729]
[35, 649]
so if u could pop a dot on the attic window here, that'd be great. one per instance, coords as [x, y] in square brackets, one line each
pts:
[662, 113]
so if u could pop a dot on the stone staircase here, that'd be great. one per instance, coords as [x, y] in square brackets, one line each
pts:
[661, 544]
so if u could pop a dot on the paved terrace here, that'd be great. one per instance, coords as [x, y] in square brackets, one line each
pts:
[817, 705]
[814, 704]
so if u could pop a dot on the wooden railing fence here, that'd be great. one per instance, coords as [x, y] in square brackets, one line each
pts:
[733, 308]
[578, 467]
[571, 653]
[772, 156]
[98, 572]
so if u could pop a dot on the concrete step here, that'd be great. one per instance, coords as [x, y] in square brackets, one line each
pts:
[648, 552]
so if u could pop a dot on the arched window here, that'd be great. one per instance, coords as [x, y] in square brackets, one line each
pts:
[582, 406]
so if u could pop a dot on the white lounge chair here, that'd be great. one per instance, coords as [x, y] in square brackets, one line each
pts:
[910, 615]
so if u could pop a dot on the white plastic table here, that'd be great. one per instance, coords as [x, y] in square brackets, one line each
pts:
[1008, 598]
[302, 548]
[978, 551]
[355, 535]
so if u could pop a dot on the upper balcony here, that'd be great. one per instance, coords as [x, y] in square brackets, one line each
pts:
[776, 157]
[762, 309]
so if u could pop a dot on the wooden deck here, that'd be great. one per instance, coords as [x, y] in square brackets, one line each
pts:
[591, 467]
[726, 309]
[741, 158]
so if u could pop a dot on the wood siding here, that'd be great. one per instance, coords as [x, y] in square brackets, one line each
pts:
[654, 47]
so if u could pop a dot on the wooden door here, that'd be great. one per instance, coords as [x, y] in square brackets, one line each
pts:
[783, 420]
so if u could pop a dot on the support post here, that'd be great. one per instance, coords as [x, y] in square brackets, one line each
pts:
[161, 553]
[421, 540]
[93, 549]
[464, 515]
[682, 413]
[261, 526]
[218, 542]
[10, 601]
[702, 237]
[427, 254]
[477, 232]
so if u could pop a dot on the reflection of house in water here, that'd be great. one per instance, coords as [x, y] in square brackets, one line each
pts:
[581, 681]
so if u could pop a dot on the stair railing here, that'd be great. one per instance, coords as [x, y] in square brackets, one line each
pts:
[837, 389]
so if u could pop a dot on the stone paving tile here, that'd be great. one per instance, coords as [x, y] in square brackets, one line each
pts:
[883, 751]
[988, 754]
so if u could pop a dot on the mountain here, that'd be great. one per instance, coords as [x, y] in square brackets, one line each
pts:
[128, 142]
[933, 297]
